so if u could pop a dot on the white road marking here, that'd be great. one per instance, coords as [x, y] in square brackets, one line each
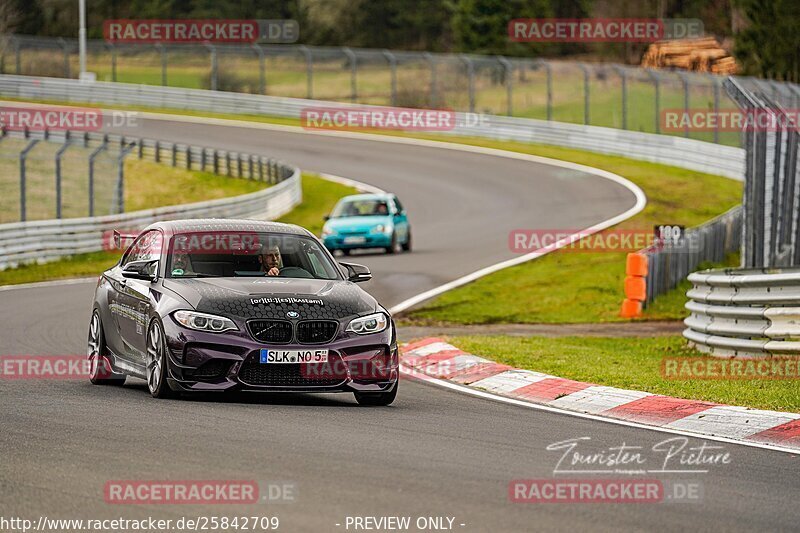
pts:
[541, 407]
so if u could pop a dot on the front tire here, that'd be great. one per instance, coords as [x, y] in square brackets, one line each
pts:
[393, 247]
[376, 399]
[156, 362]
[100, 371]
[407, 245]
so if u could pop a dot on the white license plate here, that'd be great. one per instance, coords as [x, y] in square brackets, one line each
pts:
[270, 356]
[355, 240]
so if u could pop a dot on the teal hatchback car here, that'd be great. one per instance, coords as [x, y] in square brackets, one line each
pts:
[367, 221]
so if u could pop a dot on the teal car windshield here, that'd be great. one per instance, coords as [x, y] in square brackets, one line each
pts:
[363, 207]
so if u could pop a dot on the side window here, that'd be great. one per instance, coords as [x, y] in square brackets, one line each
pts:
[146, 247]
[398, 205]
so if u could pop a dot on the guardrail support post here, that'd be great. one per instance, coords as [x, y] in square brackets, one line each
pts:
[717, 84]
[434, 82]
[163, 53]
[59, 154]
[685, 81]
[624, 79]
[188, 157]
[549, 73]
[657, 100]
[470, 81]
[157, 152]
[309, 71]
[22, 179]
[92, 158]
[17, 57]
[585, 70]
[121, 176]
[509, 75]
[65, 50]
[174, 155]
[351, 56]
[212, 50]
[262, 72]
[390, 57]
[113, 61]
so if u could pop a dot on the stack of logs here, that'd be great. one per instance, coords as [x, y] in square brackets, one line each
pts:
[699, 55]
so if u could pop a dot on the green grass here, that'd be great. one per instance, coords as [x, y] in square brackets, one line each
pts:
[319, 197]
[628, 363]
[569, 287]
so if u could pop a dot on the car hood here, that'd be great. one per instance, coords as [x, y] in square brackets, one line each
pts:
[263, 297]
[345, 224]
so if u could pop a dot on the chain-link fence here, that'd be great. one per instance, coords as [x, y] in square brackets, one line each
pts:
[82, 174]
[615, 96]
[46, 177]
[772, 187]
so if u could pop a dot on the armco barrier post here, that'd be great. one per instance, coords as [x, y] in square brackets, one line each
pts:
[635, 285]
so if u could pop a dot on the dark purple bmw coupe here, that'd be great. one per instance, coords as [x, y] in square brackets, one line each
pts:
[217, 305]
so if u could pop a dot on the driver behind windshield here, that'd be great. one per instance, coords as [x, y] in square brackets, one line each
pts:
[182, 264]
[271, 261]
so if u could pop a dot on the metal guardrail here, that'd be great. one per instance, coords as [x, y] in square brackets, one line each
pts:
[744, 313]
[691, 154]
[772, 187]
[46, 240]
[668, 264]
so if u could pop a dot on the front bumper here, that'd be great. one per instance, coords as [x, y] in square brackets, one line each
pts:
[371, 240]
[200, 361]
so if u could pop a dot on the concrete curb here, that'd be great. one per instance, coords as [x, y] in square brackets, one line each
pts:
[433, 357]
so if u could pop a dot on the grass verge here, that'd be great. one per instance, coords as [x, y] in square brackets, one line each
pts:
[319, 197]
[628, 363]
[569, 287]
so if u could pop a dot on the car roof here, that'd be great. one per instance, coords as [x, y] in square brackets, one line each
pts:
[368, 196]
[225, 224]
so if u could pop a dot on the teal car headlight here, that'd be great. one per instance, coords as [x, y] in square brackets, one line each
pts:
[383, 228]
[365, 325]
[327, 231]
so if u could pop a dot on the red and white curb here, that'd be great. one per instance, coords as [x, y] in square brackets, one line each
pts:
[436, 358]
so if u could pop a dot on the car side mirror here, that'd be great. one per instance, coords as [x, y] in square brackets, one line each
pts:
[357, 273]
[143, 270]
[326, 218]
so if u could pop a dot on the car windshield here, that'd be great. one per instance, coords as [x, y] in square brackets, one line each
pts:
[251, 254]
[360, 208]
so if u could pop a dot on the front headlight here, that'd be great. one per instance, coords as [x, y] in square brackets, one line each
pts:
[381, 228]
[327, 231]
[203, 321]
[365, 325]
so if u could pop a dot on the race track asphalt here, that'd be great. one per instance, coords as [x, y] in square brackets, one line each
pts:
[434, 452]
